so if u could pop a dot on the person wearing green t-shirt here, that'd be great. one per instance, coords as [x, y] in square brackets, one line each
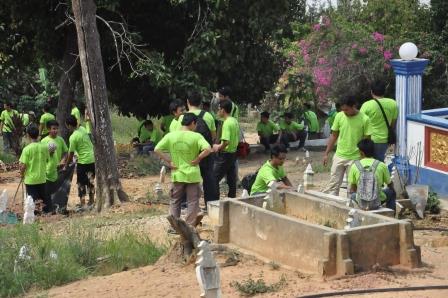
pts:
[225, 161]
[76, 113]
[206, 127]
[88, 124]
[224, 93]
[372, 109]
[268, 131]
[350, 126]
[80, 143]
[382, 175]
[7, 125]
[312, 122]
[292, 131]
[272, 171]
[33, 165]
[177, 108]
[46, 116]
[148, 137]
[165, 123]
[186, 149]
[58, 149]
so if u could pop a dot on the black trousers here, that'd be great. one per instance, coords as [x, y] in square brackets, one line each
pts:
[289, 137]
[50, 188]
[85, 178]
[267, 141]
[225, 166]
[211, 193]
[38, 192]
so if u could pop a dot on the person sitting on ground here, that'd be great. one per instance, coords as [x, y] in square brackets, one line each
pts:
[56, 144]
[177, 108]
[271, 171]
[268, 131]
[46, 116]
[81, 144]
[76, 113]
[367, 151]
[148, 137]
[312, 122]
[186, 148]
[33, 165]
[371, 108]
[292, 131]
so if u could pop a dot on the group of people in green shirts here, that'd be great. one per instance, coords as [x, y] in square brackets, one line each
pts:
[47, 154]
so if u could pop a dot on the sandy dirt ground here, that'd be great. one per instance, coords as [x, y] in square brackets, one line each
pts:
[171, 279]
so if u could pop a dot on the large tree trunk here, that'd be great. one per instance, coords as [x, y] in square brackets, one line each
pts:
[68, 80]
[107, 179]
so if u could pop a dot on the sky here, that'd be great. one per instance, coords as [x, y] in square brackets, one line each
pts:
[334, 1]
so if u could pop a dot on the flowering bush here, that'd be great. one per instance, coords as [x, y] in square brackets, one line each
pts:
[338, 57]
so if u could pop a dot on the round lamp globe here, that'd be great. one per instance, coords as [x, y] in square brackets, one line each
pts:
[408, 51]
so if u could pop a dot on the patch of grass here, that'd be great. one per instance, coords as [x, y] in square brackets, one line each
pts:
[124, 128]
[143, 165]
[433, 203]
[250, 287]
[58, 257]
[7, 157]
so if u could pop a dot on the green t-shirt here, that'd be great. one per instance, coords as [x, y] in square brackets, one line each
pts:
[175, 125]
[266, 174]
[154, 135]
[351, 131]
[208, 119]
[166, 122]
[25, 119]
[381, 173]
[230, 132]
[331, 117]
[6, 119]
[311, 119]
[183, 147]
[235, 112]
[373, 111]
[291, 127]
[77, 114]
[55, 159]
[80, 144]
[35, 157]
[88, 126]
[267, 129]
[43, 120]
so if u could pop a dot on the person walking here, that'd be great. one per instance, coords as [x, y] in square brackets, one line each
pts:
[80, 143]
[33, 165]
[225, 162]
[349, 127]
[186, 149]
[383, 114]
[58, 150]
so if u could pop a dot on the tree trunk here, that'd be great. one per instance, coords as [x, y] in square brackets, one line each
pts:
[107, 179]
[67, 81]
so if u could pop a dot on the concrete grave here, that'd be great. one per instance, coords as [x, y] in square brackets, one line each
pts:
[308, 234]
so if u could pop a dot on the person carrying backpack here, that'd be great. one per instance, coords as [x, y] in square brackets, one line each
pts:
[367, 178]
[205, 125]
[272, 170]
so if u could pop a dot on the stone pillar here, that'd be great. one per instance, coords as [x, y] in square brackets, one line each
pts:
[408, 94]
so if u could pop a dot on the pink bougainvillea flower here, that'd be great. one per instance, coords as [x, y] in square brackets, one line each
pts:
[322, 61]
[354, 46]
[378, 37]
[388, 55]
[363, 51]
[387, 66]
[307, 58]
[316, 27]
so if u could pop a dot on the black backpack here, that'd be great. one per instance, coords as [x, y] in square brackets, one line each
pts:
[249, 180]
[202, 128]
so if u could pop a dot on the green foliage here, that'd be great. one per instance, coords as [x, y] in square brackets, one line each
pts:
[250, 287]
[124, 128]
[59, 258]
[433, 203]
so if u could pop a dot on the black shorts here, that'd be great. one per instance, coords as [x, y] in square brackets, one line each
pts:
[38, 192]
[83, 172]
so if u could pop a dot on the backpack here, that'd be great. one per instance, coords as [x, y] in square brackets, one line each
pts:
[368, 192]
[202, 128]
[249, 180]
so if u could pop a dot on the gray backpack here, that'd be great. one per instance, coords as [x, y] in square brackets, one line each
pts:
[368, 192]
